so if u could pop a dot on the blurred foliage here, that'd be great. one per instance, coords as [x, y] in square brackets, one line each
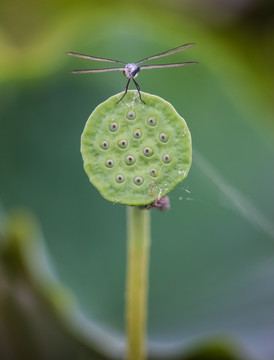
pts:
[32, 302]
[213, 277]
[39, 316]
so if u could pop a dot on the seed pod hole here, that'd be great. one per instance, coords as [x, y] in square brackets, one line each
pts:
[138, 180]
[122, 143]
[113, 126]
[131, 115]
[148, 151]
[153, 172]
[104, 145]
[130, 160]
[152, 121]
[119, 178]
[137, 134]
[166, 158]
[109, 163]
[163, 137]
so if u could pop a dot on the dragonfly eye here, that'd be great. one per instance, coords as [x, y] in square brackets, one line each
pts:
[135, 71]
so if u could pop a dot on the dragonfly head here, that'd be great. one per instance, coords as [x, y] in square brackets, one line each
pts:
[131, 71]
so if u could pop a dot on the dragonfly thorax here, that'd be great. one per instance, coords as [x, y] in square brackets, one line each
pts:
[131, 70]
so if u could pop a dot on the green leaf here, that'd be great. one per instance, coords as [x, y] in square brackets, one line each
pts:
[39, 316]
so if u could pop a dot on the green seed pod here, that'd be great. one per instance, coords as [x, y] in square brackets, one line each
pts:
[148, 167]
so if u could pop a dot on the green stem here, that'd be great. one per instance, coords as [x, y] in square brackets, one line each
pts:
[137, 281]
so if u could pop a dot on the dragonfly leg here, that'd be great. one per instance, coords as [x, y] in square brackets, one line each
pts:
[138, 89]
[125, 91]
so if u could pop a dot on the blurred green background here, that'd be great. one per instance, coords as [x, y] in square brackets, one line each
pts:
[212, 255]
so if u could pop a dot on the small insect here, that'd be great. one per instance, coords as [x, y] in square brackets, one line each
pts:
[161, 204]
[131, 70]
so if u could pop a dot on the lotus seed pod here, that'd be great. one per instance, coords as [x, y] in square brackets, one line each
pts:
[134, 153]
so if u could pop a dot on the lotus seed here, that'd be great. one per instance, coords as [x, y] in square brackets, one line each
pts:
[104, 145]
[119, 178]
[137, 134]
[130, 160]
[109, 163]
[151, 121]
[113, 126]
[166, 158]
[138, 180]
[131, 115]
[148, 151]
[163, 137]
[122, 144]
[153, 172]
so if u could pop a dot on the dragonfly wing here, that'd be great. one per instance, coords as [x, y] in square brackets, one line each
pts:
[146, 67]
[168, 52]
[95, 70]
[93, 58]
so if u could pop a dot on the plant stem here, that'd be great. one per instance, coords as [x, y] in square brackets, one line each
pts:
[137, 281]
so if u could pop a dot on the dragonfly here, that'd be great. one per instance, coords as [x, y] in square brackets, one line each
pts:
[131, 70]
